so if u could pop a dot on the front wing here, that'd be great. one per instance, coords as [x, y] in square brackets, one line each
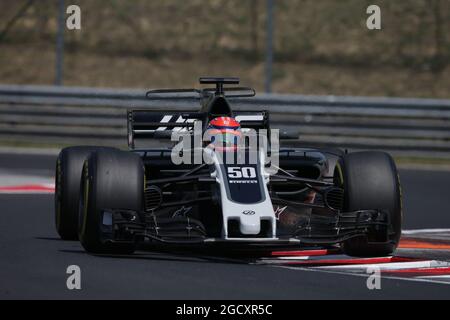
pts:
[127, 226]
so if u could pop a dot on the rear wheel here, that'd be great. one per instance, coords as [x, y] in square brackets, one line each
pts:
[110, 180]
[370, 181]
[67, 189]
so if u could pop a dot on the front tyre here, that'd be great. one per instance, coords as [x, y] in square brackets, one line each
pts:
[370, 181]
[67, 189]
[110, 180]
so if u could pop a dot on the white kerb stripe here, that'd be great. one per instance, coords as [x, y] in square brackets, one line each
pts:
[390, 266]
[418, 231]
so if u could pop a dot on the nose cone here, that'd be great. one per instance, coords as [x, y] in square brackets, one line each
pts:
[250, 225]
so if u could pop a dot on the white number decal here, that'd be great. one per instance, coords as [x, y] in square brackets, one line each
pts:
[244, 172]
[234, 173]
[249, 172]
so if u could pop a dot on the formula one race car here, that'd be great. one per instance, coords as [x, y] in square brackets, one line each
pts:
[213, 185]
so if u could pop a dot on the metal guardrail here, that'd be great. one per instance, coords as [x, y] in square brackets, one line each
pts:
[403, 126]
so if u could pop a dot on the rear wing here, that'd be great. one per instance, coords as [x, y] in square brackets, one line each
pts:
[157, 124]
[200, 94]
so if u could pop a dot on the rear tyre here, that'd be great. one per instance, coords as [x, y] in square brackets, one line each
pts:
[110, 180]
[370, 181]
[67, 189]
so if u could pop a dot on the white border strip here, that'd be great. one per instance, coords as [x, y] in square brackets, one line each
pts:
[419, 231]
[363, 275]
[390, 266]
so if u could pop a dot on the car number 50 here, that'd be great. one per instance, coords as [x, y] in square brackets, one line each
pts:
[241, 172]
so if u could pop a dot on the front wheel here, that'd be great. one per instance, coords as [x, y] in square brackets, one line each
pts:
[67, 189]
[370, 181]
[110, 180]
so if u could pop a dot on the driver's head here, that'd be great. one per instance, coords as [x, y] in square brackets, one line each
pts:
[225, 132]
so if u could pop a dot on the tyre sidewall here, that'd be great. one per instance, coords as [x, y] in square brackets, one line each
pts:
[371, 181]
[111, 180]
[69, 165]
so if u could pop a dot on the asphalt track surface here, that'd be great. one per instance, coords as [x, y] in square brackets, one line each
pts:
[33, 260]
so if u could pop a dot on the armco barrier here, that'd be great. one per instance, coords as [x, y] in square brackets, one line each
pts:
[66, 115]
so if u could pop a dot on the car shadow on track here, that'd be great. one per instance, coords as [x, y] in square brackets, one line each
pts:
[49, 239]
[162, 256]
[172, 253]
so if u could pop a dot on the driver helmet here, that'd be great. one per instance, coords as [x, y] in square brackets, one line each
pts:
[225, 133]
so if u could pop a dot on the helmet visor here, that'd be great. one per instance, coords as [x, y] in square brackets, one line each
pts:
[225, 138]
